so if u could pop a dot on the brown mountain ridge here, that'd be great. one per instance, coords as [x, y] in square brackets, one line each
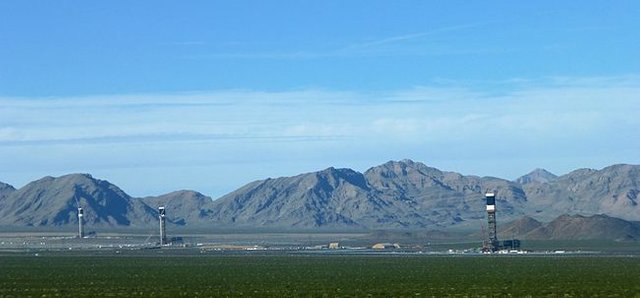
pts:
[395, 195]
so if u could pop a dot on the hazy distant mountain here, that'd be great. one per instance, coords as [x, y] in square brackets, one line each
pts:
[407, 194]
[184, 207]
[572, 227]
[53, 202]
[519, 227]
[5, 191]
[578, 227]
[443, 197]
[395, 195]
[537, 176]
[613, 191]
[329, 198]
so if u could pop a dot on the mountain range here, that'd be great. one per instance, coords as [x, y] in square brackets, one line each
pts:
[573, 227]
[395, 195]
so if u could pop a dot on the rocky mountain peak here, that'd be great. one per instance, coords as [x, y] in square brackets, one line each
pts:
[578, 174]
[65, 181]
[537, 176]
[396, 194]
[598, 226]
[405, 172]
[6, 189]
[573, 227]
[403, 168]
[54, 201]
[183, 207]
[334, 177]
[179, 197]
[186, 194]
[621, 171]
[519, 227]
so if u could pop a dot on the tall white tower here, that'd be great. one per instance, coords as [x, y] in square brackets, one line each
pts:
[163, 232]
[80, 228]
[491, 218]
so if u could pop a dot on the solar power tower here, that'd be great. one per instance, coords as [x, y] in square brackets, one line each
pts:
[163, 232]
[492, 243]
[80, 228]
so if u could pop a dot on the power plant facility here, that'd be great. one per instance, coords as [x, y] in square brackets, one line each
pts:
[163, 231]
[491, 244]
[80, 228]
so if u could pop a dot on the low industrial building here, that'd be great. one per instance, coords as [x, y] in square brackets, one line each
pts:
[385, 246]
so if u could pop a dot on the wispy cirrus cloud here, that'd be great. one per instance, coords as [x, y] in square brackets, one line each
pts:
[245, 114]
[377, 47]
[413, 36]
[564, 121]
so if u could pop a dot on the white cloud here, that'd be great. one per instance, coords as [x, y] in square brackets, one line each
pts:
[566, 107]
[568, 119]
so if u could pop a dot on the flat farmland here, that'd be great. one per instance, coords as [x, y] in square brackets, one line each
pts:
[319, 276]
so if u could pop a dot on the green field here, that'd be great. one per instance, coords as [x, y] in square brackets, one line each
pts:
[318, 276]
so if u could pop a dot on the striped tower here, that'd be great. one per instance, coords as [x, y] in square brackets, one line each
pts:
[493, 243]
[163, 232]
[80, 227]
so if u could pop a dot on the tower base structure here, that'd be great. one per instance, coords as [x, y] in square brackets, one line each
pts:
[491, 244]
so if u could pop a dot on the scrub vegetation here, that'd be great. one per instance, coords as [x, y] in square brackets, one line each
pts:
[318, 276]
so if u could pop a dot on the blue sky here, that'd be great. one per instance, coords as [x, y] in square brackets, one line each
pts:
[208, 95]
